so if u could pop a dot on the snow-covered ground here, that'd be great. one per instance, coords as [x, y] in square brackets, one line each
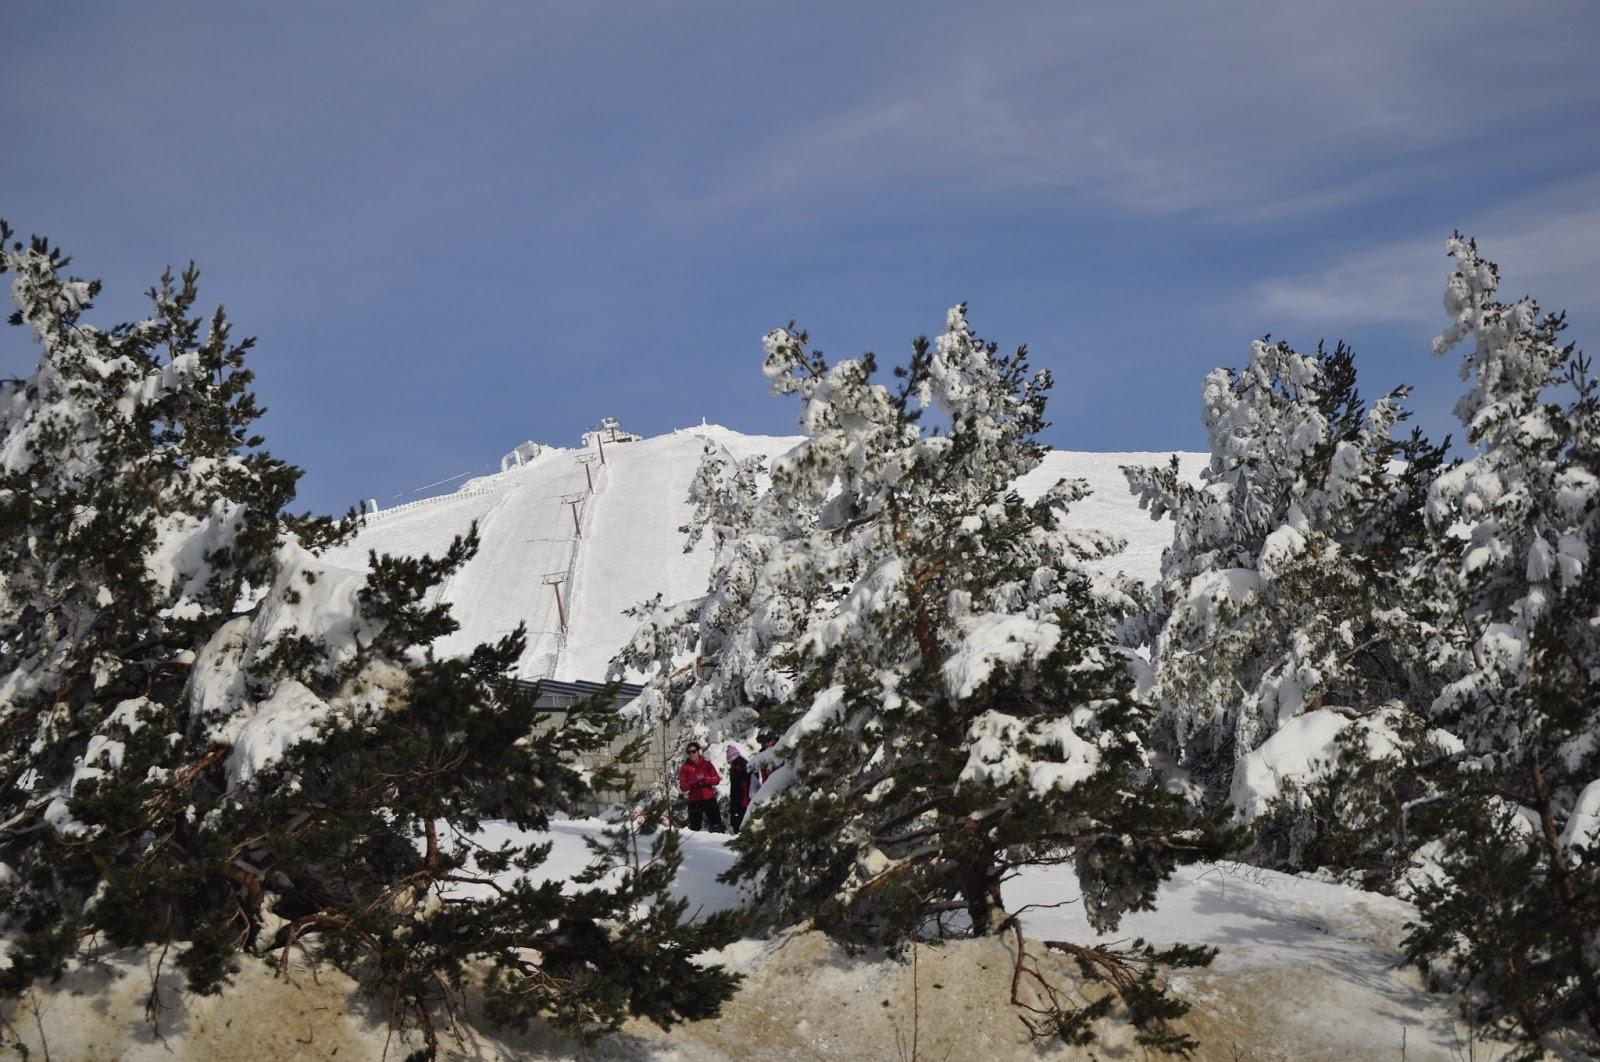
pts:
[1307, 970]
[1316, 963]
[1297, 956]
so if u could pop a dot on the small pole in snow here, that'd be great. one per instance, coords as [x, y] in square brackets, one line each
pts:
[601, 442]
[586, 460]
[554, 581]
[574, 500]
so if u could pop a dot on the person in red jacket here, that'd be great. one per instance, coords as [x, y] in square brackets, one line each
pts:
[697, 779]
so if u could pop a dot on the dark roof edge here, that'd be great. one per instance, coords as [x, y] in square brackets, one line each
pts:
[625, 691]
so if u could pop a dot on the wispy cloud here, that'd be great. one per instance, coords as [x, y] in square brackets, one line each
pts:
[1549, 249]
[1233, 112]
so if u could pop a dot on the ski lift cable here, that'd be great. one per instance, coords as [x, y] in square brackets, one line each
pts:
[441, 482]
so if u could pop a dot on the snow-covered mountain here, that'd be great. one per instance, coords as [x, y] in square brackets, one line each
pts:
[610, 548]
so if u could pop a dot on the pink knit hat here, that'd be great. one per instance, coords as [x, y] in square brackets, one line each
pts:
[733, 752]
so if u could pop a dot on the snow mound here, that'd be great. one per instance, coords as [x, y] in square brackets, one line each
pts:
[1300, 750]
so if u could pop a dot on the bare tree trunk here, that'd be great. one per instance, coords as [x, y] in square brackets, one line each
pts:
[980, 890]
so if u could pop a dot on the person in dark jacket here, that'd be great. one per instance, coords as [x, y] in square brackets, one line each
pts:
[766, 739]
[738, 787]
[697, 779]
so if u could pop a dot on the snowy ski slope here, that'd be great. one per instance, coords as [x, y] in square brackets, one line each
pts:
[626, 546]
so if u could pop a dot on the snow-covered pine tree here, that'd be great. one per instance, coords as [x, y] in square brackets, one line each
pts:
[1282, 590]
[1512, 905]
[211, 741]
[745, 526]
[1356, 800]
[943, 670]
[135, 510]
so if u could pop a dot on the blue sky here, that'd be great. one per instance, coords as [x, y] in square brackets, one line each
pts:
[456, 226]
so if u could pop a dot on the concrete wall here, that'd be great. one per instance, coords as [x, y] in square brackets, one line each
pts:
[650, 773]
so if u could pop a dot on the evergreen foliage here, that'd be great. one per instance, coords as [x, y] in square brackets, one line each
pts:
[1451, 612]
[943, 670]
[746, 526]
[214, 742]
[1513, 907]
[1283, 590]
[1362, 813]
